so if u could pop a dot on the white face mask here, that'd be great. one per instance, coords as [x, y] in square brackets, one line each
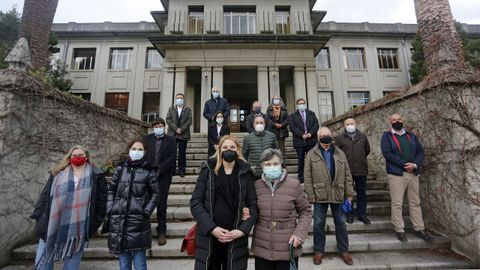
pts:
[159, 131]
[259, 128]
[276, 101]
[215, 94]
[350, 128]
[301, 107]
[179, 101]
[136, 154]
[220, 120]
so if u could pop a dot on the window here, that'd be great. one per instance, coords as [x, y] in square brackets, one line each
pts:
[239, 21]
[120, 58]
[356, 99]
[282, 20]
[195, 20]
[84, 59]
[387, 58]
[117, 101]
[84, 96]
[151, 106]
[323, 59]
[325, 105]
[354, 58]
[154, 59]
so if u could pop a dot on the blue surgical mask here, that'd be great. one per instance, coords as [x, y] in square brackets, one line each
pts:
[179, 101]
[272, 172]
[159, 131]
[215, 94]
[301, 107]
[136, 154]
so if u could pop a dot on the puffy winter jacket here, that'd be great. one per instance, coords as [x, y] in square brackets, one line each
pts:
[132, 197]
[253, 146]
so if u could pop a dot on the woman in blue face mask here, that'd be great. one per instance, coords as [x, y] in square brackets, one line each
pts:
[284, 215]
[132, 197]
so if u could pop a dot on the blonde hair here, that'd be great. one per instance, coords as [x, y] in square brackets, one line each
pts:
[66, 160]
[218, 153]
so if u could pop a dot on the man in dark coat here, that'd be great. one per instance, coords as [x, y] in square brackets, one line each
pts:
[304, 126]
[356, 147]
[179, 120]
[214, 105]
[256, 112]
[161, 153]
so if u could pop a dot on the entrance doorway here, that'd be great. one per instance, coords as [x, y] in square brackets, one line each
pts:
[193, 94]
[286, 88]
[240, 88]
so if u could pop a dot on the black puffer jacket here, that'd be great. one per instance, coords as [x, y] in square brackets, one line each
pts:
[201, 205]
[132, 197]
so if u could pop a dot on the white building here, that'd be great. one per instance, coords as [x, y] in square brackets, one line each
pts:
[250, 49]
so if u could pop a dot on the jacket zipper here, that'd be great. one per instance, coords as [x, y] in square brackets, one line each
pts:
[130, 193]
[271, 222]
[238, 219]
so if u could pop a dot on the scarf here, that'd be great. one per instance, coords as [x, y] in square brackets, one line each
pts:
[69, 216]
[273, 183]
[276, 111]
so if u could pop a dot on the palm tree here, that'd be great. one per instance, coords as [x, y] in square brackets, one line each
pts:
[441, 43]
[37, 20]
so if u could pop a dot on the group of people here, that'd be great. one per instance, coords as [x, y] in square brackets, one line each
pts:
[240, 187]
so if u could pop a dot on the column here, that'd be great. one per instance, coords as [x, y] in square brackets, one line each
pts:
[262, 86]
[167, 91]
[180, 80]
[218, 78]
[299, 83]
[274, 82]
[312, 88]
[206, 82]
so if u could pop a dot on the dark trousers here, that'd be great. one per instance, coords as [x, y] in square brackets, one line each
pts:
[361, 189]
[301, 153]
[219, 255]
[163, 187]
[262, 264]
[182, 155]
[319, 220]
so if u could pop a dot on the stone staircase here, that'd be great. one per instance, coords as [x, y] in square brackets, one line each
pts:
[373, 246]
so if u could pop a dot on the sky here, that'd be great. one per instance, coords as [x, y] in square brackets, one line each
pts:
[377, 11]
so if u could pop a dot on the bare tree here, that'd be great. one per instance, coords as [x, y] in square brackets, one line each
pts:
[37, 20]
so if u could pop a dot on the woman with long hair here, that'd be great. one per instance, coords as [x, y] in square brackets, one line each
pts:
[132, 197]
[278, 116]
[69, 211]
[224, 187]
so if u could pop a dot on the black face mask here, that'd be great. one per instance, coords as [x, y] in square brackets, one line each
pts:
[229, 155]
[397, 125]
[326, 140]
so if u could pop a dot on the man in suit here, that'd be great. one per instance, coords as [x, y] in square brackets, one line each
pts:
[161, 153]
[304, 126]
[179, 120]
[214, 105]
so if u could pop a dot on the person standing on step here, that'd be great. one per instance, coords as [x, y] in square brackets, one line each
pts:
[284, 215]
[356, 147]
[216, 104]
[161, 153]
[69, 211]
[225, 186]
[404, 156]
[256, 112]
[179, 120]
[215, 132]
[304, 125]
[328, 182]
[278, 117]
[132, 197]
[256, 142]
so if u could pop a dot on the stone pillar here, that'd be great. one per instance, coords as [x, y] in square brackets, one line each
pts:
[218, 78]
[274, 82]
[312, 86]
[180, 80]
[299, 83]
[167, 91]
[262, 86]
[206, 94]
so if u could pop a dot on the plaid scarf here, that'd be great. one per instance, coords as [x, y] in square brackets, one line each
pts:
[69, 216]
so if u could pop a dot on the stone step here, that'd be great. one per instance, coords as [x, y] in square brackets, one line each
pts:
[203, 155]
[191, 150]
[362, 242]
[182, 213]
[196, 170]
[198, 163]
[385, 260]
[204, 144]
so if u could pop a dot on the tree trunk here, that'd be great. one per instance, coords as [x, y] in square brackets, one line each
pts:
[37, 20]
[442, 45]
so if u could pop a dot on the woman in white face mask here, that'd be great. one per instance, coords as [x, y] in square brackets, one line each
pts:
[216, 131]
[281, 202]
[132, 197]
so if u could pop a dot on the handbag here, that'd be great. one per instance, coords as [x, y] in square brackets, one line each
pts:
[189, 241]
[346, 206]
[293, 265]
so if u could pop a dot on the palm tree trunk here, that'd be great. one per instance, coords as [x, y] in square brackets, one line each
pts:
[442, 45]
[37, 20]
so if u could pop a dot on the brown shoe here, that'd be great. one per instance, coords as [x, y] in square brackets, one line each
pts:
[162, 240]
[317, 258]
[347, 258]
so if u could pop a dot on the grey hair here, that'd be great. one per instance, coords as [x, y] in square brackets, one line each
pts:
[269, 153]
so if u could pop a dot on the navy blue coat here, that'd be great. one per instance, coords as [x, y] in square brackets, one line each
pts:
[393, 157]
[213, 106]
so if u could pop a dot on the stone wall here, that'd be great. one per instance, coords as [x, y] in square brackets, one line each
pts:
[38, 125]
[445, 114]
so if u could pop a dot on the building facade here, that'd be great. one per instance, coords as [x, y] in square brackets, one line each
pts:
[252, 50]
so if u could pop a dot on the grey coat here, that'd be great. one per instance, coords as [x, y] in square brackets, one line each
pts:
[185, 122]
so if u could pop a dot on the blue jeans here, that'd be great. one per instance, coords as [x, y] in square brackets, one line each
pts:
[361, 189]
[138, 257]
[72, 263]
[319, 219]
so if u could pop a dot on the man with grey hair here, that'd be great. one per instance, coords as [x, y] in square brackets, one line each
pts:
[404, 156]
[216, 104]
[256, 112]
[328, 182]
[257, 142]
